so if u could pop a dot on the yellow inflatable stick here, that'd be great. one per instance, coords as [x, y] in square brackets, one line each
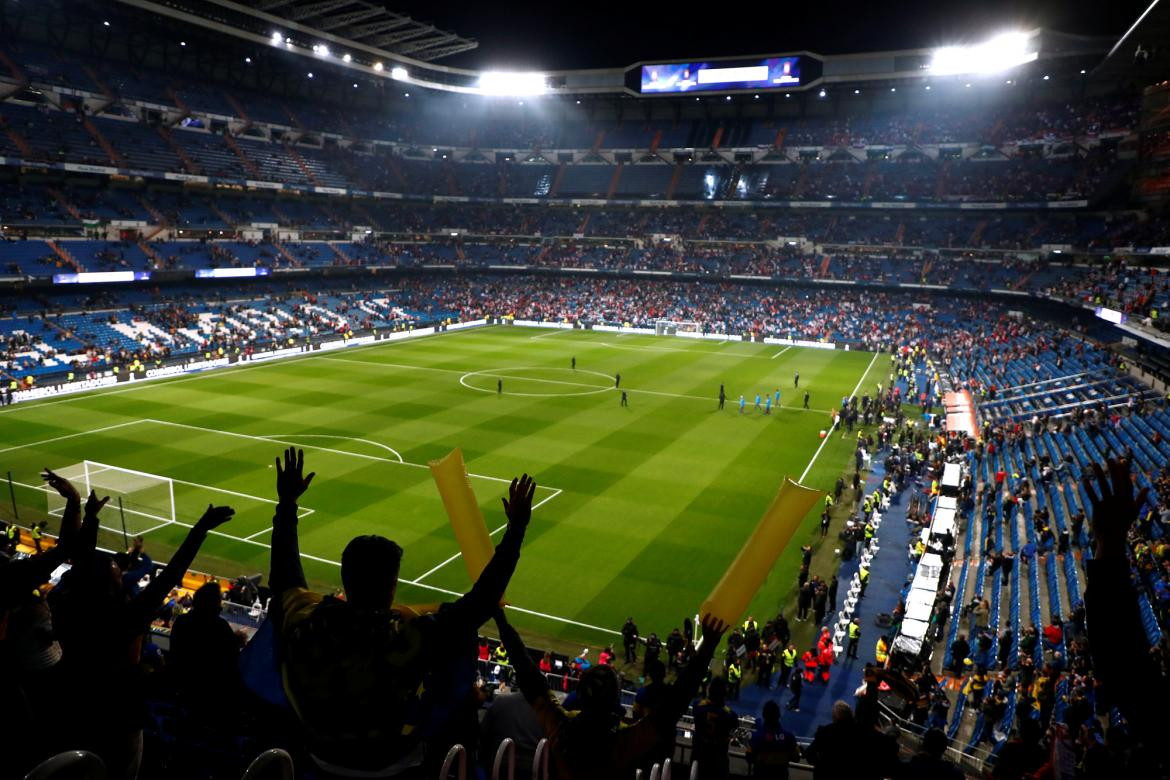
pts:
[746, 574]
[450, 475]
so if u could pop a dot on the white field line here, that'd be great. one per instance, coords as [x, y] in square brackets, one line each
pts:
[550, 332]
[488, 373]
[459, 554]
[275, 440]
[388, 448]
[781, 352]
[69, 436]
[236, 369]
[303, 511]
[415, 582]
[828, 435]
[651, 348]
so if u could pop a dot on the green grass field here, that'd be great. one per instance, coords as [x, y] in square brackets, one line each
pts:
[640, 509]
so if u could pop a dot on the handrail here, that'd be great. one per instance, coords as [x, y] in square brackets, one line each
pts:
[456, 751]
[266, 760]
[540, 761]
[506, 748]
[72, 760]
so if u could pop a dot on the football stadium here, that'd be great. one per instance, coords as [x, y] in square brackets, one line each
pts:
[388, 392]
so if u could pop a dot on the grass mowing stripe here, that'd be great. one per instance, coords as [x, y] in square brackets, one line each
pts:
[655, 497]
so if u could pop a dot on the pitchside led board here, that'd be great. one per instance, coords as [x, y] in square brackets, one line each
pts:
[768, 73]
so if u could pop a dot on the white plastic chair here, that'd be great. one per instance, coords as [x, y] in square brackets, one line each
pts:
[73, 761]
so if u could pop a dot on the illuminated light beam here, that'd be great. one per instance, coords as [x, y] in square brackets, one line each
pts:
[514, 84]
[997, 54]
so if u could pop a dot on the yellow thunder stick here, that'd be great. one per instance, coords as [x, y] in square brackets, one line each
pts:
[743, 578]
[471, 532]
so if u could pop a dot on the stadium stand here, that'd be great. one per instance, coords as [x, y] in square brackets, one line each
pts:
[1008, 573]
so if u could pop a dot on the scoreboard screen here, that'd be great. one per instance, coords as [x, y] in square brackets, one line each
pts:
[770, 73]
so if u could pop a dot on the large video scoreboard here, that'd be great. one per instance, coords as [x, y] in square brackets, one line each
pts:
[725, 75]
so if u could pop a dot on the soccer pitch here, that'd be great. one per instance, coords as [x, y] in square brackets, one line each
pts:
[639, 510]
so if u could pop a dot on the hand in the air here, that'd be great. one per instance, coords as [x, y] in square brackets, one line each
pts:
[518, 504]
[290, 482]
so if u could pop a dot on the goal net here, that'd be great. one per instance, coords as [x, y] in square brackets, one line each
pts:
[674, 327]
[146, 501]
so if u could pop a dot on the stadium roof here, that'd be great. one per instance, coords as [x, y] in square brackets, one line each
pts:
[1142, 52]
[355, 23]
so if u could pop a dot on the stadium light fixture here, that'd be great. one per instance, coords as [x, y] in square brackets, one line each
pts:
[1046, 77]
[1082, 71]
[378, 66]
[398, 73]
[182, 43]
[310, 74]
[821, 93]
[355, 86]
[512, 83]
[857, 92]
[346, 58]
[276, 37]
[248, 60]
[406, 94]
[893, 89]
[728, 97]
[1000, 53]
[105, 24]
[928, 88]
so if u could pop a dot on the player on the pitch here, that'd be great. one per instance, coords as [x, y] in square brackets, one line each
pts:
[742, 403]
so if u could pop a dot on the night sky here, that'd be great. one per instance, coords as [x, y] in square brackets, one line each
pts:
[597, 33]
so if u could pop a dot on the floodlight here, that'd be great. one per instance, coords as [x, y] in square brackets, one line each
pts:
[378, 66]
[997, 54]
[346, 58]
[398, 73]
[276, 36]
[494, 82]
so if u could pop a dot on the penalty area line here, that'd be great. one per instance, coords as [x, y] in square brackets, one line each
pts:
[829, 435]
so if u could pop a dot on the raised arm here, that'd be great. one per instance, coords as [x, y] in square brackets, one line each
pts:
[680, 693]
[528, 677]
[291, 484]
[148, 600]
[19, 577]
[71, 518]
[482, 601]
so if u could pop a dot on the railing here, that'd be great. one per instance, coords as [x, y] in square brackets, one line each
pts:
[971, 762]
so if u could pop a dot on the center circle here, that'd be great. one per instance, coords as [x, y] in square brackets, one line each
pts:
[560, 383]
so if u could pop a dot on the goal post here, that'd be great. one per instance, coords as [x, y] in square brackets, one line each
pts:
[148, 500]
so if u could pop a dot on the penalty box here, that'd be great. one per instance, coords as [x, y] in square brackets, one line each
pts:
[152, 501]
